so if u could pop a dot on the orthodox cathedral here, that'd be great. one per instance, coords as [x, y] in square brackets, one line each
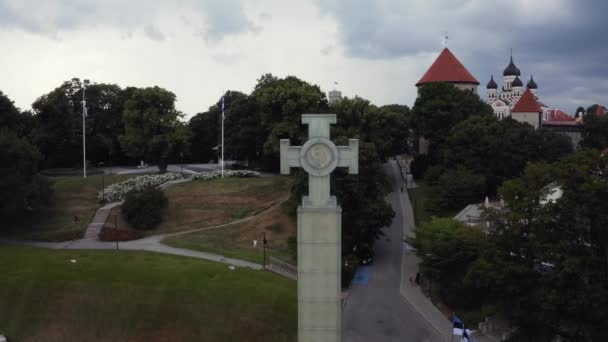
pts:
[511, 100]
[503, 100]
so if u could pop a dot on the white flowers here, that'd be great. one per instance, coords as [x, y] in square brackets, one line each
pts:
[227, 173]
[118, 192]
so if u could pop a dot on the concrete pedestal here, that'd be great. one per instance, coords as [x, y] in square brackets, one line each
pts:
[319, 273]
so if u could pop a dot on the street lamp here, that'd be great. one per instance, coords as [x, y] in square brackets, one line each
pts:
[84, 134]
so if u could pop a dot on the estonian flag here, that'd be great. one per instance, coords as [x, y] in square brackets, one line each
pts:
[465, 336]
[458, 326]
[223, 108]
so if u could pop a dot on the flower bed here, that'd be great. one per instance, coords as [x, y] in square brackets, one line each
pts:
[227, 173]
[118, 192]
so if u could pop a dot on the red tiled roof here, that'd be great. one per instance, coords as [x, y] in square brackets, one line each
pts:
[447, 68]
[558, 115]
[526, 104]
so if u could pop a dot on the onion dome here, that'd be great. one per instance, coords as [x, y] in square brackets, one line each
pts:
[511, 69]
[492, 84]
[517, 82]
[532, 84]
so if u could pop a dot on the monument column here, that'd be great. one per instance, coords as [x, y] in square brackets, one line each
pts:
[319, 229]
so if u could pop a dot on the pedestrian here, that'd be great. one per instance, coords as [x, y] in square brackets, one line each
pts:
[412, 280]
[255, 243]
[417, 278]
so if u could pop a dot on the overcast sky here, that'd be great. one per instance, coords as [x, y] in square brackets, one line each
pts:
[375, 49]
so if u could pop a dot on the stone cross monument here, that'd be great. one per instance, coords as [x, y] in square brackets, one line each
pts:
[319, 234]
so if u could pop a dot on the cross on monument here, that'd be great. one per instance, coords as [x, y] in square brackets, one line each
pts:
[319, 228]
[319, 156]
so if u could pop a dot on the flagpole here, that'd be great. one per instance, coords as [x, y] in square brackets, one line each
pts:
[222, 137]
[84, 135]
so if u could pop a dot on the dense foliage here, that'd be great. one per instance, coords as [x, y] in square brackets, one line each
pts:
[471, 152]
[144, 210]
[22, 190]
[439, 107]
[152, 127]
[595, 131]
[544, 256]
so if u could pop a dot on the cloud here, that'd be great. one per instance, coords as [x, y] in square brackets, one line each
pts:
[568, 35]
[212, 19]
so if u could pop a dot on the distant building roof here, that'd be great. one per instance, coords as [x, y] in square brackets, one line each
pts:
[558, 115]
[526, 104]
[447, 68]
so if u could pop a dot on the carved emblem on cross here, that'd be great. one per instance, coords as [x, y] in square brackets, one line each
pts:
[319, 156]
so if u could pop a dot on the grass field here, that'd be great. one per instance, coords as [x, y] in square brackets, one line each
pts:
[199, 204]
[72, 196]
[235, 241]
[135, 296]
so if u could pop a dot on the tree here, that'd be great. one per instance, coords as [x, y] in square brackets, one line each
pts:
[500, 149]
[152, 127]
[455, 189]
[595, 131]
[553, 253]
[447, 249]
[22, 190]
[57, 126]
[439, 107]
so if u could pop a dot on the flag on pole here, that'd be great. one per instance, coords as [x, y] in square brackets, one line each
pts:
[223, 117]
[85, 111]
[458, 326]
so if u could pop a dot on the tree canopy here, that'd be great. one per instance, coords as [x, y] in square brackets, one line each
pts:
[152, 127]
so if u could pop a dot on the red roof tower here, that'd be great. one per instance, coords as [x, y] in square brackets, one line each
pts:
[527, 104]
[447, 68]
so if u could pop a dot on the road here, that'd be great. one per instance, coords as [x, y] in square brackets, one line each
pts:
[376, 310]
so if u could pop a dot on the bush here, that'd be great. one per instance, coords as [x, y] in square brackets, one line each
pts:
[419, 165]
[143, 210]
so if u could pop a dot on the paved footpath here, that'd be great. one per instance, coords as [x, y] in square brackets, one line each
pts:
[149, 244]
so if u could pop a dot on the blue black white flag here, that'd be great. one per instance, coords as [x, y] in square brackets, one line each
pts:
[458, 326]
[465, 335]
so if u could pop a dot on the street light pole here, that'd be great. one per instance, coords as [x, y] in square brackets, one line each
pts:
[84, 134]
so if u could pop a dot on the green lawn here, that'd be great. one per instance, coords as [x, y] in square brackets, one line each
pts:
[205, 203]
[72, 196]
[137, 296]
[235, 241]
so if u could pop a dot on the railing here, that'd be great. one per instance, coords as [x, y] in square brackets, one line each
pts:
[282, 268]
